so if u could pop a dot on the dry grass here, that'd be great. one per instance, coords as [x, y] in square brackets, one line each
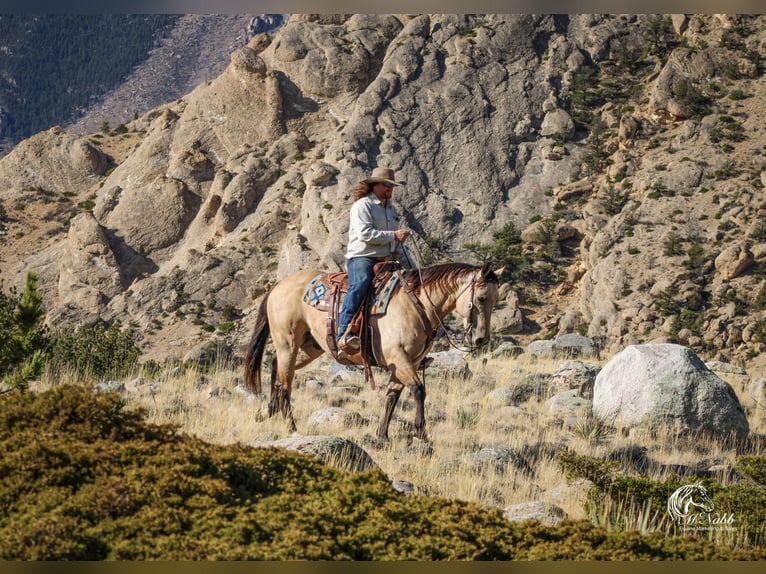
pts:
[459, 421]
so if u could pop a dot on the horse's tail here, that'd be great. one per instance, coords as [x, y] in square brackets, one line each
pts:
[255, 349]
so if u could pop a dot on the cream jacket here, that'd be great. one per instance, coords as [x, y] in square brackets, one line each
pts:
[371, 229]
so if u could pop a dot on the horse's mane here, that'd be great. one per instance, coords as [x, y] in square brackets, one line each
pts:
[444, 273]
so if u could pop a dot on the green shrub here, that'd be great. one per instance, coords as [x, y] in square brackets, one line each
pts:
[508, 251]
[23, 341]
[689, 95]
[613, 201]
[673, 244]
[753, 468]
[100, 351]
[102, 484]
[617, 499]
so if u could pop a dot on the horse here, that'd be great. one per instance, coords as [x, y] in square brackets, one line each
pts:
[400, 338]
[680, 503]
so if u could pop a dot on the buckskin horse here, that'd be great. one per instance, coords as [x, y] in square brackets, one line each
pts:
[400, 338]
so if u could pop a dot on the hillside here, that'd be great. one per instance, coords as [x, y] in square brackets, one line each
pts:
[52, 67]
[624, 150]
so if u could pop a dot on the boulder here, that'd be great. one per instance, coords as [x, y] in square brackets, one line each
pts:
[54, 161]
[569, 407]
[568, 345]
[514, 395]
[88, 270]
[558, 124]
[734, 260]
[543, 512]
[335, 416]
[575, 374]
[498, 458]
[654, 385]
[332, 450]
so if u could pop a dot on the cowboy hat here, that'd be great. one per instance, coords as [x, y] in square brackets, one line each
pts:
[382, 175]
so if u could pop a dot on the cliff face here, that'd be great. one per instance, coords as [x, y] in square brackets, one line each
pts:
[627, 149]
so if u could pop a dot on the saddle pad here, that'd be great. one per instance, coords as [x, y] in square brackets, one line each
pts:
[383, 295]
[317, 294]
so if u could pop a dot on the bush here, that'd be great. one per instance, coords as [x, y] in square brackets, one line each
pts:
[696, 103]
[507, 250]
[24, 340]
[102, 484]
[617, 499]
[100, 351]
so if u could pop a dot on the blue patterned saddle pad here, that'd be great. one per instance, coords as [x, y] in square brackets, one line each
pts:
[317, 293]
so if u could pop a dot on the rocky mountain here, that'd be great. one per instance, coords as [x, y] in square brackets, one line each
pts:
[624, 152]
[196, 50]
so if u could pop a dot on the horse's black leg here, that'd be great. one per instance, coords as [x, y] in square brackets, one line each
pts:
[392, 397]
[418, 391]
[280, 399]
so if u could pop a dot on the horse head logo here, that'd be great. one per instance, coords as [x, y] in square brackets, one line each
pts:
[687, 499]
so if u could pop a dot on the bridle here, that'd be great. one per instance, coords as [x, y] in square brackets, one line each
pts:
[468, 330]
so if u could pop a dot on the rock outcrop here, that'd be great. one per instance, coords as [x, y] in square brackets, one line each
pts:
[205, 201]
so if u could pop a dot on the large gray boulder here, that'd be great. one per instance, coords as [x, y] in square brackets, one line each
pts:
[654, 385]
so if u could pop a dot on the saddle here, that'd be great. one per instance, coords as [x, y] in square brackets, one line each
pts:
[326, 292]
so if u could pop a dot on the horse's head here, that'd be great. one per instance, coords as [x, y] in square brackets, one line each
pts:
[476, 301]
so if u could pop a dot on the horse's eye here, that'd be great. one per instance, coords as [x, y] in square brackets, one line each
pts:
[481, 299]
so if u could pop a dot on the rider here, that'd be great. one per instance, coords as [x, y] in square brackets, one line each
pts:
[373, 236]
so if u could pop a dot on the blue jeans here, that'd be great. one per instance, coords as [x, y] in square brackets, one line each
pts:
[360, 277]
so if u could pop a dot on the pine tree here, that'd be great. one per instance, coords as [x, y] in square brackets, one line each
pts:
[22, 351]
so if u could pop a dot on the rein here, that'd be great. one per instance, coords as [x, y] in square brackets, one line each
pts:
[472, 285]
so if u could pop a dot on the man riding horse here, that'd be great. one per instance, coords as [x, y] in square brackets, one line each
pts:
[373, 236]
[293, 315]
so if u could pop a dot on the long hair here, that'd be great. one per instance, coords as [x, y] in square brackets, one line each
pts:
[362, 189]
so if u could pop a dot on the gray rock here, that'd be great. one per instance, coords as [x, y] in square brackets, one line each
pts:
[406, 488]
[574, 345]
[507, 350]
[728, 368]
[498, 458]
[332, 450]
[514, 395]
[757, 391]
[335, 416]
[569, 345]
[575, 374]
[540, 348]
[111, 387]
[570, 406]
[665, 384]
[543, 512]
[343, 373]
[219, 392]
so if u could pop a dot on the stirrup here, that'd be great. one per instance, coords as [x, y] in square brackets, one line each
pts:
[350, 344]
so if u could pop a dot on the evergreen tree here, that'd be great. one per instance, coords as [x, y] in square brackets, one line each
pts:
[22, 350]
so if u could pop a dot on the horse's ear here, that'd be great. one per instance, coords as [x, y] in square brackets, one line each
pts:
[499, 272]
